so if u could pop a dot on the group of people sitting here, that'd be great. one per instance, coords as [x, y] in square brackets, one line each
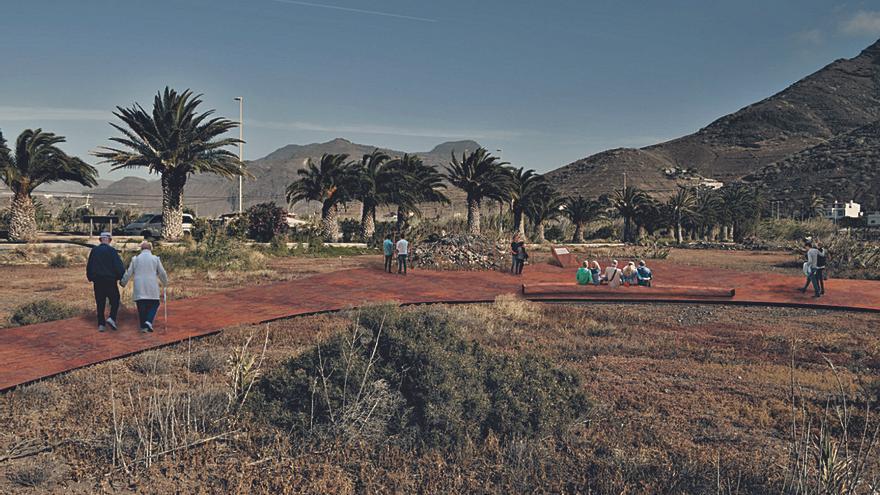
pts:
[591, 273]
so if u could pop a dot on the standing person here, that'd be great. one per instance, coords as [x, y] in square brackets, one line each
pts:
[584, 275]
[612, 275]
[813, 261]
[147, 271]
[402, 253]
[521, 256]
[514, 249]
[821, 274]
[388, 250]
[103, 270]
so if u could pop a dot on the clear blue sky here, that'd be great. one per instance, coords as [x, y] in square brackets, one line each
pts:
[546, 81]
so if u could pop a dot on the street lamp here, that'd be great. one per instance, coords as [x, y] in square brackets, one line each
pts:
[240, 100]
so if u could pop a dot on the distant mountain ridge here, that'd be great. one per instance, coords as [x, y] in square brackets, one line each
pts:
[835, 100]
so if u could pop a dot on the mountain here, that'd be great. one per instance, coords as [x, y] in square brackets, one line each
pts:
[837, 99]
[843, 168]
[211, 195]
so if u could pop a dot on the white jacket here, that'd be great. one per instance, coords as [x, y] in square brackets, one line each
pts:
[147, 271]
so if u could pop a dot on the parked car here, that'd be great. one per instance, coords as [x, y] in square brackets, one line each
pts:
[150, 225]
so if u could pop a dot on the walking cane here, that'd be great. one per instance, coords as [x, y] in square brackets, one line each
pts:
[165, 303]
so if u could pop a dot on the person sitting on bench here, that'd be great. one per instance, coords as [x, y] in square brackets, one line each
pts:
[596, 272]
[612, 275]
[584, 275]
[644, 274]
[629, 274]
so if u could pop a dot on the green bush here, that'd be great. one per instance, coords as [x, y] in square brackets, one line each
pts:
[202, 227]
[237, 228]
[408, 374]
[59, 261]
[41, 311]
[265, 221]
[786, 229]
[216, 252]
[554, 233]
[351, 230]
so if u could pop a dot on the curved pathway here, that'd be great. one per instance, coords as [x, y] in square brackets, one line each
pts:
[37, 351]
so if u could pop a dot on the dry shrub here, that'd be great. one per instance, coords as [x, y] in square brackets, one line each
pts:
[39, 394]
[35, 473]
[513, 307]
[152, 363]
[59, 261]
[41, 311]
[409, 375]
[206, 362]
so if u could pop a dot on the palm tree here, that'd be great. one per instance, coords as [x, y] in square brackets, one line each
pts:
[174, 141]
[373, 178]
[525, 185]
[413, 182]
[333, 182]
[36, 161]
[580, 210]
[628, 202]
[546, 205]
[481, 176]
[741, 208]
[681, 206]
[708, 211]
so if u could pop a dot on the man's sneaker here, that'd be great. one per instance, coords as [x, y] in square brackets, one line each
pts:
[144, 330]
[100, 328]
[149, 326]
[112, 324]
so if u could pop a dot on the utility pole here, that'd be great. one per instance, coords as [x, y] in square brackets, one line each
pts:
[240, 100]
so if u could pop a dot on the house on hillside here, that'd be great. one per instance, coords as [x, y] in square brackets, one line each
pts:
[839, 210]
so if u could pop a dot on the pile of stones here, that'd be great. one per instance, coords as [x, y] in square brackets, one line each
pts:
[459, 252]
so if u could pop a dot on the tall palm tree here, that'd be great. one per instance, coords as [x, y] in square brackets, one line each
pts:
[681, 207]
[174, 141]
[628, 202]
[374, 176]
[741, 208]
[580, 210]
[708, 211]
[545, 206]
[412, 182]
[525, 185]
[37, 160]
[333, 182]
[481, 176]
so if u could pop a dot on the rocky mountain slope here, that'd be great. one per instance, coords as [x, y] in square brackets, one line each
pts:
[841, 97]
[843, 168]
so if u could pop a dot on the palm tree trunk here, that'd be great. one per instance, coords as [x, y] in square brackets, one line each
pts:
[473, 217]
[172, 206]
[402, 219]
[540, 233]
[579, 233]
[330, 223]
[23, 222]
[679, 237]
[368, 222]
[519, 222]
[627, 227]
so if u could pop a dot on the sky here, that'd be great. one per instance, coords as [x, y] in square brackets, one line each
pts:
[546, 82]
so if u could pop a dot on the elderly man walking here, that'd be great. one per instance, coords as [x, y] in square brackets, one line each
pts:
[147, 271]
[104, 270]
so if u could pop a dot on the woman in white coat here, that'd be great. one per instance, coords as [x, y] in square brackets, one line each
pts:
[147, 271]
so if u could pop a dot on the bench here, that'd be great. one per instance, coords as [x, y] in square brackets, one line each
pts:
[573, 290]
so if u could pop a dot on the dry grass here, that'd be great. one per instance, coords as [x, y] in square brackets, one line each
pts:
[687, 398]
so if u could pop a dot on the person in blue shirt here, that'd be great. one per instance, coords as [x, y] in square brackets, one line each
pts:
[644, 274]
[388, 249]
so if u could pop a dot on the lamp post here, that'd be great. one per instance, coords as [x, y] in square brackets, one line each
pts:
[240, 100]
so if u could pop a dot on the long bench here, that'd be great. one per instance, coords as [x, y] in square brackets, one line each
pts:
[573, 290]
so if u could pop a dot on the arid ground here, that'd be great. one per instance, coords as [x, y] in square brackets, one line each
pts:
[684, 399]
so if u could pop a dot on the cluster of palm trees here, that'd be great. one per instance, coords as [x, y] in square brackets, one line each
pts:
[176, 140]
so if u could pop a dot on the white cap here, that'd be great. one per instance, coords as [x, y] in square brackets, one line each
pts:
[106, 234]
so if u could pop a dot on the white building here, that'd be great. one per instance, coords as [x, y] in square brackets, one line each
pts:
[839, 210]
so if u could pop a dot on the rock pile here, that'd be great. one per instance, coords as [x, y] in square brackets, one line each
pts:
[459, 252]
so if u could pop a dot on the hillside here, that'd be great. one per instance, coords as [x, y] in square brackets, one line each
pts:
[846, 167]
[211, 195]
[841, 97]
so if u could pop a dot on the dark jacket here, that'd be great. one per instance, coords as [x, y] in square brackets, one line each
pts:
[104, 264]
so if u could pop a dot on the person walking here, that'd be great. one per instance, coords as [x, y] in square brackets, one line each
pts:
[402, 253]
[147, 271]
[388, 250]
[821, 261]
[103, 270]
[813, 262]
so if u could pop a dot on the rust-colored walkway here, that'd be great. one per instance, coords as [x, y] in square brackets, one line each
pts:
[37, 351]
